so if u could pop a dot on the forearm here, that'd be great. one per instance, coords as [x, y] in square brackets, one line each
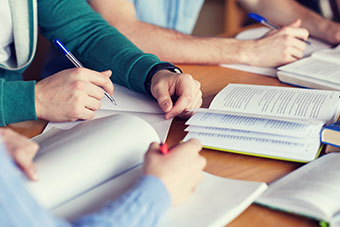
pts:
[142, 205]
[96, 44]
[16, 101]
[167, 44]
[284, 12]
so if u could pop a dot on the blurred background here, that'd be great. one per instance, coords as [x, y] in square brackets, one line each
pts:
[217, 17]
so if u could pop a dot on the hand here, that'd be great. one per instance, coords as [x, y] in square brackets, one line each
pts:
[180, 170]
[165, 84]
[332, 32]
[278, 47]
[71, 94]
[22, 151]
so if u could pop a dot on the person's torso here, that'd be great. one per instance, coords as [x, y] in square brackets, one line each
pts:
[19, 36]
[6, 32]
[180, 15]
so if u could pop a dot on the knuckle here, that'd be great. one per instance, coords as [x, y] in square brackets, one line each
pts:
[75, 111]
[78, 85]
[77, 72]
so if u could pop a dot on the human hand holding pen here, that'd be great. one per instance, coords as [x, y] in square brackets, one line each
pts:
[71, 94]
[277, 47]
[181, 169]
[77, 63]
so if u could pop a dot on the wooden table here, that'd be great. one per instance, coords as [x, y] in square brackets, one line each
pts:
[213, 79]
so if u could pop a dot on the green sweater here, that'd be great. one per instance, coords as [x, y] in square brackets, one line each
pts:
[90, 38]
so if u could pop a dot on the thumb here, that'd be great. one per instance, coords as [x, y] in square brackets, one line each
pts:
[161, 93]
[296, 24]
[107, 73]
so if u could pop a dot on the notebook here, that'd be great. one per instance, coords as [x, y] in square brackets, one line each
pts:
[266, 121]
[82, 168]
[321, 70]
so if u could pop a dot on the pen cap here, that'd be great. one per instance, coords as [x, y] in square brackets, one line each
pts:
[257, 17]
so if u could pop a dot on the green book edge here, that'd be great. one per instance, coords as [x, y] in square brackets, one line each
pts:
[263, 156]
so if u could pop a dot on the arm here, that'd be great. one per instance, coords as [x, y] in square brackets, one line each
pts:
[173, 46]
[143, 204]
[283, 12]
[100, 47]
[16, 101]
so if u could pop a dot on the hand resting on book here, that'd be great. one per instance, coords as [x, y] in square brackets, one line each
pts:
[181, 170]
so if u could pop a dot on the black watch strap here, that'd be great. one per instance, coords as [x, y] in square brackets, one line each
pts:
[155, 69]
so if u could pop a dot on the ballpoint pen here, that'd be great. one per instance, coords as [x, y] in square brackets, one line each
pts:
[265, 22]
[76, 63]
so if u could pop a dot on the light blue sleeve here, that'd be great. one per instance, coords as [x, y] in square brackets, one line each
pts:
[142, 205]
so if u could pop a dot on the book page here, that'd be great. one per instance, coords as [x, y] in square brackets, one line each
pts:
[278, 101]
[75, 160]
[245, 133]
[330, 55]
[131, 101]
[315, 68]
[254, 124]
[311, 190]
[201, 209]
[303, 150]
[157, 121]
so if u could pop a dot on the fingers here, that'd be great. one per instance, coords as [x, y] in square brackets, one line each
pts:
[161, 93]
[92, 103]
[190, 96]
[86, 114]
[22, 151]
[193, 145]
[296, 23]
[102, 80]
[94, 91]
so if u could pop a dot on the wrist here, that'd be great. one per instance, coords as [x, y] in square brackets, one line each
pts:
[246, 52]
[237, 51]
[37, 98]
[154, 70]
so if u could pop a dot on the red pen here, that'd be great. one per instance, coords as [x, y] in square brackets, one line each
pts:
[164, 148]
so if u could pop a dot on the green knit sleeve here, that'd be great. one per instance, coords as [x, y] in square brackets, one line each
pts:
[16, 101]
[94, 42]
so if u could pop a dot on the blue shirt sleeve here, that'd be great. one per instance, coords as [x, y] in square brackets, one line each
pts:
[142, 205]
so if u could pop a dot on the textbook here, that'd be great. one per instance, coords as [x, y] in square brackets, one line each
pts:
[82, 168]
[321, 70]
[312, 191]
[331, 134]
[130, 102]
[266, 121]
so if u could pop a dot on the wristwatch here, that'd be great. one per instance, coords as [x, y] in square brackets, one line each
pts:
[155, 69]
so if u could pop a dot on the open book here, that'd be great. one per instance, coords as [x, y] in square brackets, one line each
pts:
[267, 121]
[82, 168]
[320, 70]
[128, 101]
[312, 190]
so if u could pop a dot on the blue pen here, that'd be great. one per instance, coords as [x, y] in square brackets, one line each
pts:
[265, 22]
[76, 63]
